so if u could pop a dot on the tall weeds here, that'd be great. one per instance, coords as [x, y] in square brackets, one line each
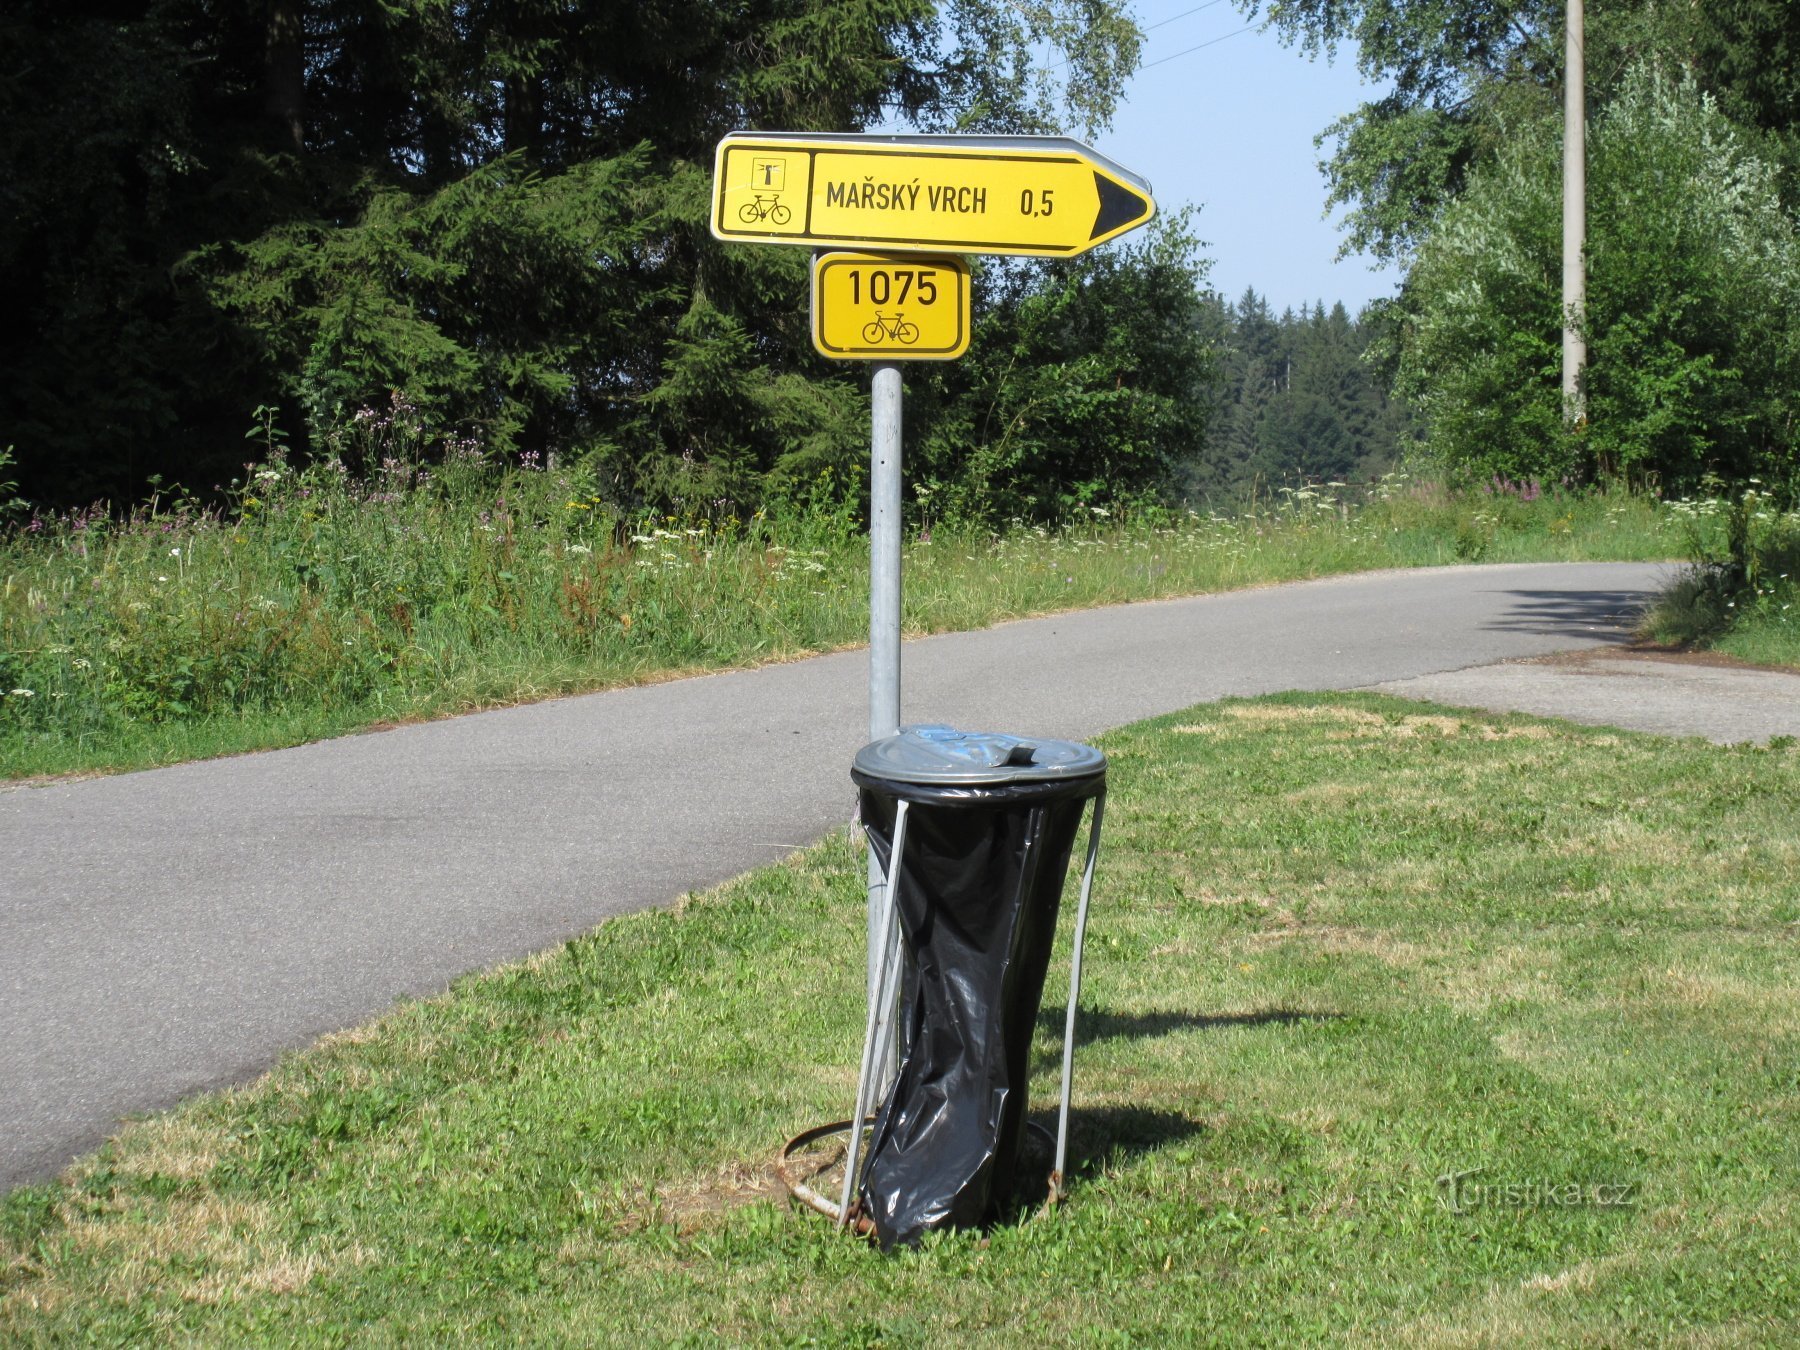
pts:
[1742, 593]
[320, 599]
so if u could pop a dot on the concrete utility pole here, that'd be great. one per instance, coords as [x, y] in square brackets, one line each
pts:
[1574, 267]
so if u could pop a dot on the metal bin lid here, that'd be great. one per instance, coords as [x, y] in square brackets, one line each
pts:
[947, 757]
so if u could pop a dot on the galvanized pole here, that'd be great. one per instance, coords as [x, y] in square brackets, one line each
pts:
[884, 604]
[1574, 264]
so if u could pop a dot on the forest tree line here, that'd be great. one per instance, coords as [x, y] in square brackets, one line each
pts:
[224, 216]
[1298, 397]
[278, 215]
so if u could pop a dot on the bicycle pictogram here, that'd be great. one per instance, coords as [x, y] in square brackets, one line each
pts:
[764, 208]
[881, 328]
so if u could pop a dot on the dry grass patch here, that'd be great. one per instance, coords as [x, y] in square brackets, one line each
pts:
[202, 1249]
[697, 1202]
[1336, 794]
[175, 1148]
[1526, 973]
[1298, 714]
[1534, 731]
[1724, 996]
[1533, 1311]
[1195, 891]
[1627, 840]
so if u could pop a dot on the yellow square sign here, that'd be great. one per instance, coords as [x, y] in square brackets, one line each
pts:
[890, 307]
[762, 190]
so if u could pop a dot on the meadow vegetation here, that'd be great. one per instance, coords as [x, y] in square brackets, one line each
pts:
[1742, 595]
[1400, 1025]
[319, 600]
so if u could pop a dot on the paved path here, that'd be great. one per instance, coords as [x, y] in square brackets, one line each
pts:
[169, 931]
[1646, 691]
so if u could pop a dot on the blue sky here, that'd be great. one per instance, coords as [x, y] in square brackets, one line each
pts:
[1229, 128]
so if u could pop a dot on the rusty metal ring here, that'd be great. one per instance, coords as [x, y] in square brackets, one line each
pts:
[799, 1188]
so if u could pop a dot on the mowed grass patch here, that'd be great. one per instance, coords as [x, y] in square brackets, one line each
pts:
[1343, 948]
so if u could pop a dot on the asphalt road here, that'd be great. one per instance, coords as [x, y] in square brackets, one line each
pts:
[175, 930]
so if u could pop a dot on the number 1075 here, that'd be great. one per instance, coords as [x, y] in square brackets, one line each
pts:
[893, 287]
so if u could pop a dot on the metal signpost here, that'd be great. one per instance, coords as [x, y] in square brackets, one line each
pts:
[906, 196]
[884, 611]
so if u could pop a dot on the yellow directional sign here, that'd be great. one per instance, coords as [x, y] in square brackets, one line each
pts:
[1040, 196]
[890, 306]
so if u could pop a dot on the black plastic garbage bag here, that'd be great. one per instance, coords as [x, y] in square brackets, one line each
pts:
[981, 882]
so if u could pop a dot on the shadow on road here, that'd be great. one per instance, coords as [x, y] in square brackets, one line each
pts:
[1585, 614]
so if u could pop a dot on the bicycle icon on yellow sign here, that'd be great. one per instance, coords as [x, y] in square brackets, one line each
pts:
[882, 328]
[762, 208]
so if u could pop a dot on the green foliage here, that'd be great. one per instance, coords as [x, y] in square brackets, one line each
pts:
[1462, 77]
[1741, 593]
[1299, 399]
[497, 304]
[1453, 169]
[1451, 68]
[1694, 280]
[989, 82]
[1085, 383]
[1747, 53]
[498, 210]
[11, 504]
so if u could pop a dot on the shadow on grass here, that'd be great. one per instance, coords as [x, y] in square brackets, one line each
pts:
[1100, 1138]
[1097, 1024]
[1104, 1137]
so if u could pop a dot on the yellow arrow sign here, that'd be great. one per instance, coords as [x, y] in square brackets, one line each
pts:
[1040, 196]
[890, 306]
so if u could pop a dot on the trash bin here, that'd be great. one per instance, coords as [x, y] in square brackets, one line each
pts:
[984, 826]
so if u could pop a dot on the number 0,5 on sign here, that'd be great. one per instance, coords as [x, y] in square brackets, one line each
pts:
[890, 307]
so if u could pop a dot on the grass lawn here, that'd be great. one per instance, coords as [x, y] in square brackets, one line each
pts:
[1342, 947]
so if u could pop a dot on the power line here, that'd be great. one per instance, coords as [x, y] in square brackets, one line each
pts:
[1163, 23]
[1215, 42]
[1160, 23]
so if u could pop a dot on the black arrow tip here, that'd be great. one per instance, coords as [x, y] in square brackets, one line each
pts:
[1120, 207]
